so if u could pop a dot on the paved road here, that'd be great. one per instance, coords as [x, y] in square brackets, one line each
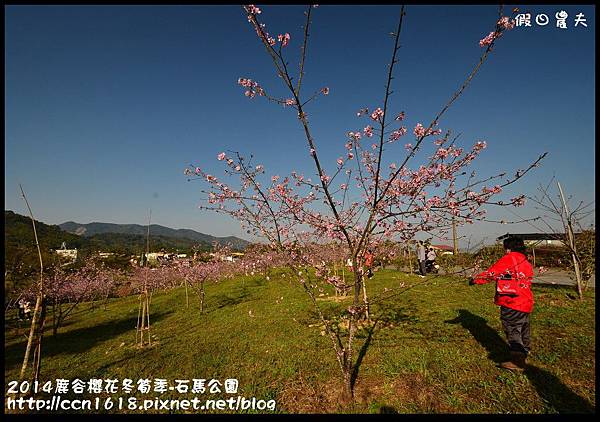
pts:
[551, 276]
[561, 277]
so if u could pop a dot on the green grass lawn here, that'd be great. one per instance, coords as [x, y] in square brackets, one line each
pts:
[434, 348]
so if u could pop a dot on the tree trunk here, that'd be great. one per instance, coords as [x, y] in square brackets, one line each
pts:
[54, 320]
[202, 297]
[347, 392]
[365, 299]
[187, 299]
[37, 355]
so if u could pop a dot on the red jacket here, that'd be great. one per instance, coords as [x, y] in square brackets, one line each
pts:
[369, 260]
[523, 300]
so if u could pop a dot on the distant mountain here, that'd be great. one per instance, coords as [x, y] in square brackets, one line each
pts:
[21, 259]
[18, 232]
[93, 229]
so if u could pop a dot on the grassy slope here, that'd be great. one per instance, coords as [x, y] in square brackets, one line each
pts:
[433, 350]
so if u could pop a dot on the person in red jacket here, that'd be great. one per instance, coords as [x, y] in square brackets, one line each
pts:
[369, 257]
[513, 275]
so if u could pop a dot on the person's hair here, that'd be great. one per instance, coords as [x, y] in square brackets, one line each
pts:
[515, 244]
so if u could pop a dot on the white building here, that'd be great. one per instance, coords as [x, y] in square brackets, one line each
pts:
[69, 255]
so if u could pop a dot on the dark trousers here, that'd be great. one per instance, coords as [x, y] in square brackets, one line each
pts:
[422, 267]
[517, 329]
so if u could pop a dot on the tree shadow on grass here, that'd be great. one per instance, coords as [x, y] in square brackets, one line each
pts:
[551, 389]
[387, 410]
[224, 300]
[554, 392]
[484, 334]
[388, 315]
[77, 341]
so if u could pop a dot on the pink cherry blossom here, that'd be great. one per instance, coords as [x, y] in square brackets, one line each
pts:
[253, 9]
[221, 156]
[354, 135]
[368, 131]
[284, 39]
[480, 145]
[377, 114]
[489, 39]
[395, 135]
[441, 153]
[419, 130]
[519, 201]
[506, 23]
[325, 91]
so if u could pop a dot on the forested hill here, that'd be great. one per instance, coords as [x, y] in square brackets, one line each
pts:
[21, 259]
[93, 229]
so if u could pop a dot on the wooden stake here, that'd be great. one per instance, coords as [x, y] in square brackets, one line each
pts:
[39, 314]
[143, 324]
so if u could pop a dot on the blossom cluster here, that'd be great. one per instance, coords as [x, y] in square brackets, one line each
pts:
[253, 87]
[504, 24]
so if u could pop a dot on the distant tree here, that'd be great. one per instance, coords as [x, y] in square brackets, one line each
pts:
[565, 219]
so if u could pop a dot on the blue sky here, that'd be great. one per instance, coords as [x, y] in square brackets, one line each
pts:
[106, 105]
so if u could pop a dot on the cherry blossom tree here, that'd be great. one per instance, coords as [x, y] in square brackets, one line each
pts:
[199, 274]
[66, 289]
[372, 192]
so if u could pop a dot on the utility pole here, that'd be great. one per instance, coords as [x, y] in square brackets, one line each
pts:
[571, 238]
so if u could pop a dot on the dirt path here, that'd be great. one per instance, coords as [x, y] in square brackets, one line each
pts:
[550, 276]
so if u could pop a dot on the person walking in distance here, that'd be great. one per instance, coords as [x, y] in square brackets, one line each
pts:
[430, 262]
[421, 257]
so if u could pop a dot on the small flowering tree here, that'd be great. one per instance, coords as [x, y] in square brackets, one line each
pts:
[201, 272]
[66, 289]
[367, 197]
